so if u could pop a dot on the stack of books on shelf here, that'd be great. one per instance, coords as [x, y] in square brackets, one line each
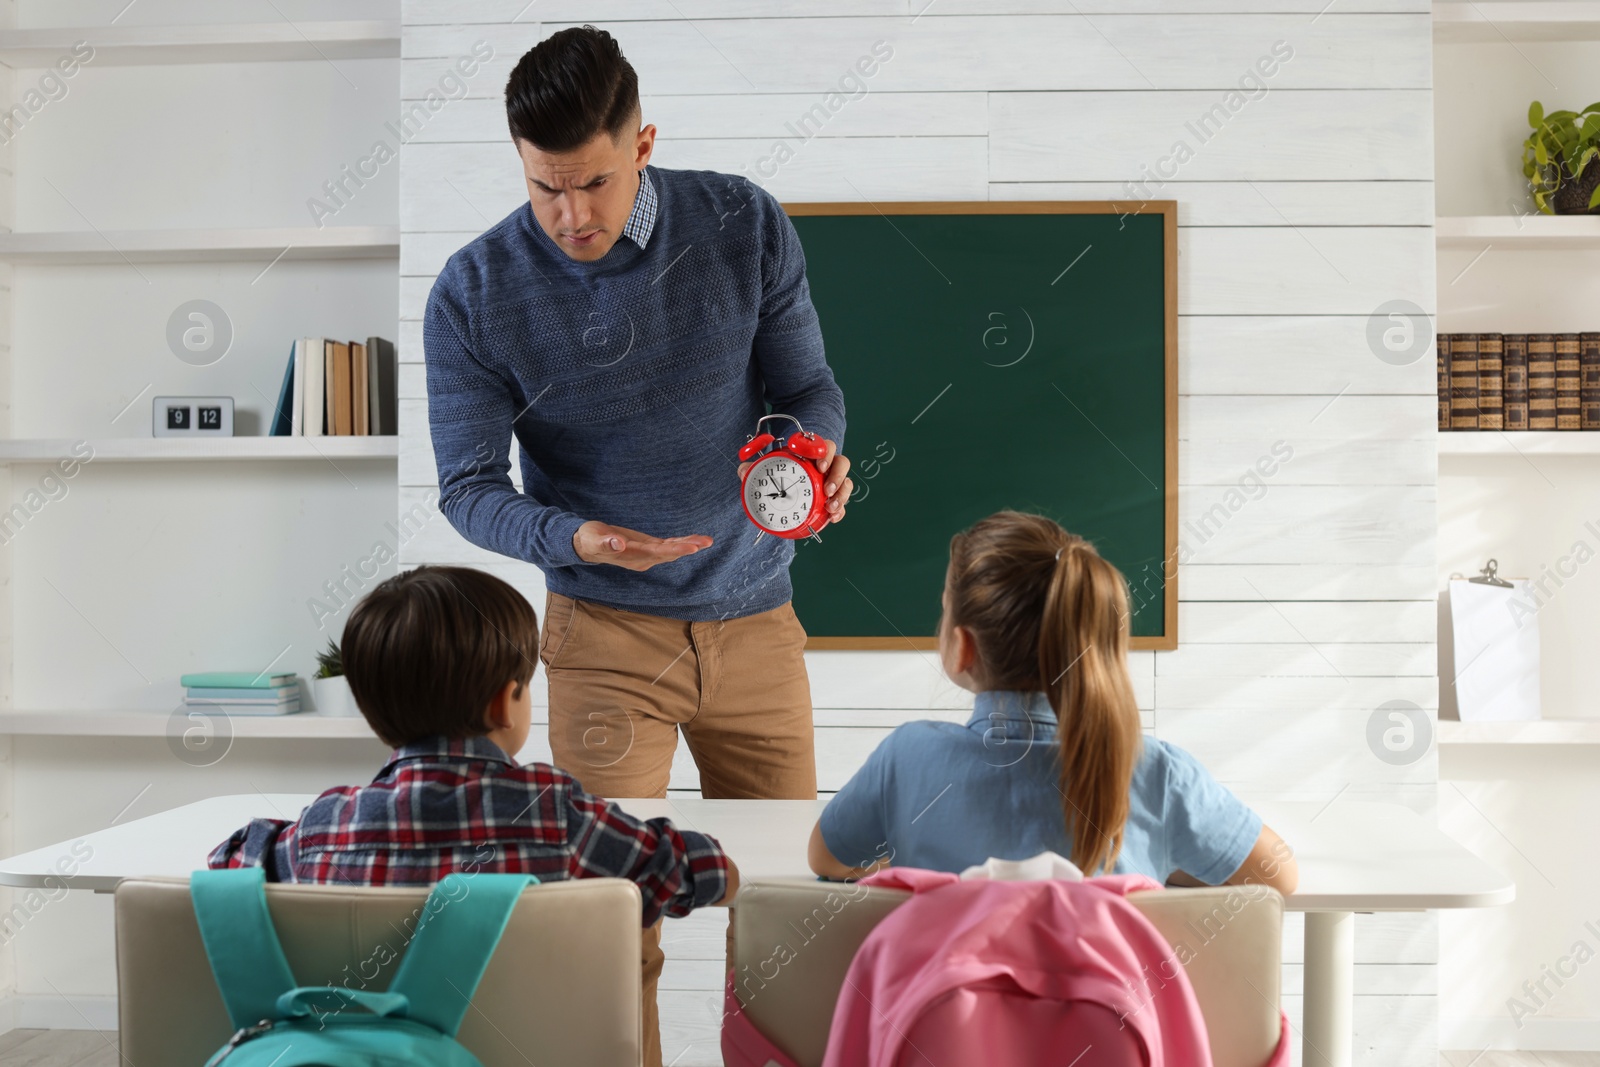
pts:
[242, 692]
[1519, 381]
[338, 389]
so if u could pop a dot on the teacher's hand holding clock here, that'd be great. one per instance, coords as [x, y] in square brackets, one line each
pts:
[793, 487]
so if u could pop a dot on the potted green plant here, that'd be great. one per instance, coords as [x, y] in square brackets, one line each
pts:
[329, 687]
[1561, 160]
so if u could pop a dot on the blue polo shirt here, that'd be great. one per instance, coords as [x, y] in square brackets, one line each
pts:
[946, 797]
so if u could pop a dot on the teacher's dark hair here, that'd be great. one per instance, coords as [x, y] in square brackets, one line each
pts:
[426, 651]
[569, 87]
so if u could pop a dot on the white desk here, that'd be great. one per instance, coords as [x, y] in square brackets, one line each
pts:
[1353, 856]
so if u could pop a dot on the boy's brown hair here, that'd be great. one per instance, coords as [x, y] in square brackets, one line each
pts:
[427, 650]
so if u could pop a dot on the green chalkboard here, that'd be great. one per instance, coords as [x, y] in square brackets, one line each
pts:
[992, 355]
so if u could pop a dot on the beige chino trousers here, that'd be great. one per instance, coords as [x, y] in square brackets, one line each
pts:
[623, 684]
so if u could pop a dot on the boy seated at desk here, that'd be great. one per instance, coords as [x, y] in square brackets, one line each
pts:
[439, 660]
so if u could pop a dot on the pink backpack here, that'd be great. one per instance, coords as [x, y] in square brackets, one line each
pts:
[1006, 972]
[1018, 973]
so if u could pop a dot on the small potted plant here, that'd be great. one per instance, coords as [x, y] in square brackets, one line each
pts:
[329, 687]
[1561, 160]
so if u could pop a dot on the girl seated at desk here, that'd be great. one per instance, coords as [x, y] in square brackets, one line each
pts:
[1035, 623]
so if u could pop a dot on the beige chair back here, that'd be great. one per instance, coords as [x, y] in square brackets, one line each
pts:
[561, 987]
[1229, 940]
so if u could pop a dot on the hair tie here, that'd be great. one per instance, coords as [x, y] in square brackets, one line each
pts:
[1058, 553]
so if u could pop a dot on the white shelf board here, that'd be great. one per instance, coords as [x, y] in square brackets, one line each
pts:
[1519, 443]
[212, 43]
[129, 723]
[1517, 232]
[201, 246]
[146, 449]
[1541, 732]
[1562, 20]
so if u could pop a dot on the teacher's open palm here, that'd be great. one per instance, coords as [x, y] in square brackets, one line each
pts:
[599, 542]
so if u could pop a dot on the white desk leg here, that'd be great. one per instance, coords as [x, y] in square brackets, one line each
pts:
[1326, 1027]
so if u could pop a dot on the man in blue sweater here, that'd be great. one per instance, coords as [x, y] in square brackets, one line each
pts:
[629, 325]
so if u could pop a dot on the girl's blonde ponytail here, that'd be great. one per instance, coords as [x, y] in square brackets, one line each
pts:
[1083, 649]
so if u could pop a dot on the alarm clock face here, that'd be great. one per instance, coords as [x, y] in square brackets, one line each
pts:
[779, 494]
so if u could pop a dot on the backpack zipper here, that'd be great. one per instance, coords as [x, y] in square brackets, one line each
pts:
[242, 1035]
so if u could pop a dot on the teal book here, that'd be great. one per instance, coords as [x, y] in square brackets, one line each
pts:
[236, 679]
[227, 708]
[260, 696]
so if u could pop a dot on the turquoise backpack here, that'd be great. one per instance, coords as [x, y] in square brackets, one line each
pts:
[282, 1024]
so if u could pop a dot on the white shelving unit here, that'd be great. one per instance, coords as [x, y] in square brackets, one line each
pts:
[222, 43]
[1523, 443]
[112, 723]
[147, 449]
[1543, 732]
[201, 246]
[1523, 498]
[1514, 23]
[1522, 232]
[365, 248]
[1563, 20]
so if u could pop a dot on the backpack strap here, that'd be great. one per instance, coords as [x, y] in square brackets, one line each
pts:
[313, 1000]
[457, 934]
[246, 958]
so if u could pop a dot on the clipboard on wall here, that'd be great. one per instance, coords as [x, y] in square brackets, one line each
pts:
[1489, 649]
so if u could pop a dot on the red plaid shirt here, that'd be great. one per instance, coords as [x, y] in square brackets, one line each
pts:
[442, 805]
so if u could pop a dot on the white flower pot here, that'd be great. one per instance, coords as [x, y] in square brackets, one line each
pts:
[333, 699]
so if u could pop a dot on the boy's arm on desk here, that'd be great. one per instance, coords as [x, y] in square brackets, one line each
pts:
[733, 886]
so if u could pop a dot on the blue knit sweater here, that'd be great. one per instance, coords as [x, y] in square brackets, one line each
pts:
[629, 384]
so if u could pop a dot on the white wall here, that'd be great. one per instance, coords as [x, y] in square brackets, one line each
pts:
[1313, 603]
[35, 13]
[8, 16]
[1523, 808]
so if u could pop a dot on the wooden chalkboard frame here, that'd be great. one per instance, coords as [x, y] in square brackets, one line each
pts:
[1168, 210]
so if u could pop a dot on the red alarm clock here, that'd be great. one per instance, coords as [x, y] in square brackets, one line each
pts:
[782, 490]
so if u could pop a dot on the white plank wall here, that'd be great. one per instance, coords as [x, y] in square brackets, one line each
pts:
[8, 969]
[1302, 610]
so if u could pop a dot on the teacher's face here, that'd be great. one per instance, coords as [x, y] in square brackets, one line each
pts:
[582, 198]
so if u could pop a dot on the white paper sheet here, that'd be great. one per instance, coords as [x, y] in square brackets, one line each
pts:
[1495, 638]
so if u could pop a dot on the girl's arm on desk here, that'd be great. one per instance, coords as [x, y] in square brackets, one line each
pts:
[826, 864]
[1271, 862]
